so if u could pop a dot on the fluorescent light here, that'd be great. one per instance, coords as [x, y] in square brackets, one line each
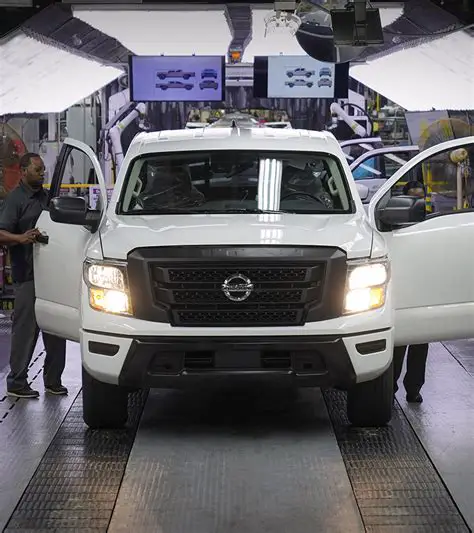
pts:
[156, 31]
[40, 78]
[435, 75]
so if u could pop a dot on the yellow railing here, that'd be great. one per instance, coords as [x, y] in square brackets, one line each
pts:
[73, 186]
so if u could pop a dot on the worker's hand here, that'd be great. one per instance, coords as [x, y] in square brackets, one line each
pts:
[29, 236]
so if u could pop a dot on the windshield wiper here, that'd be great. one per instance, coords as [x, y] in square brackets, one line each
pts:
[224, 211]
[251, 211]
[170, 211]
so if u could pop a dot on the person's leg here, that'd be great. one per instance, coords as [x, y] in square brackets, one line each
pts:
[23, 341]
[398, 357]
[415, 375]
[54, 363]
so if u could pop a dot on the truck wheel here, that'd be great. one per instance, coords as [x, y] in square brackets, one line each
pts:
[104, 406]
[370, 404]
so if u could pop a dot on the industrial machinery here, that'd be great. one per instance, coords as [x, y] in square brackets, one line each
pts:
[333, 31]
[111, 138]
[448, 177]
[12, 148]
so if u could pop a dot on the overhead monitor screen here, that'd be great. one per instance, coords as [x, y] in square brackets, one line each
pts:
[177, 78]
[300, 77]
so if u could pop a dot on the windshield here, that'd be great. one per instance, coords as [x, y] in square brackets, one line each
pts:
[234, 181]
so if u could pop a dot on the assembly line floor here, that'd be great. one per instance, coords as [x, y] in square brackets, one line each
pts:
[242, 460]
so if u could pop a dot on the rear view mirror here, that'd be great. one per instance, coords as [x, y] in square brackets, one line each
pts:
[402, 211]
[73, 210]
[363, 191]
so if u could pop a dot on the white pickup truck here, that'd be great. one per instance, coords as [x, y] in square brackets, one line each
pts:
[235, 253]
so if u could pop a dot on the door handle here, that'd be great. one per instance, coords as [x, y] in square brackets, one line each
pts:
[43, 238]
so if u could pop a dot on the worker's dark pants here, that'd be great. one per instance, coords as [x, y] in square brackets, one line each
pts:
[416, 365]
[23, 342]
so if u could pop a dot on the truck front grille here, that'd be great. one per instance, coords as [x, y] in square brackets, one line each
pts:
[213, 275]
[236, 287]
[194, 294]
[277, 317]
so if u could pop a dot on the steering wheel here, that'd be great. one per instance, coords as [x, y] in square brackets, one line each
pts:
[302, 193]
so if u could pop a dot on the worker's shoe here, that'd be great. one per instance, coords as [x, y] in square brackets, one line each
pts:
[25, 392]
[414, 398]
[58, 390]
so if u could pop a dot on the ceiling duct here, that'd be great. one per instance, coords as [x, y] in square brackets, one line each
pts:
[239, 19]
[56, 24]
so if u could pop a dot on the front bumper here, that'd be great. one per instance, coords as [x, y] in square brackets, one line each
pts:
[170, 362]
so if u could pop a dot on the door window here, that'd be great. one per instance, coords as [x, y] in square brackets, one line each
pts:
[445, 180]
[75, 176]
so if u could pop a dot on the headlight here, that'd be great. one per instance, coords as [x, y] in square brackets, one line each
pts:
[366, 286]
[108, 287]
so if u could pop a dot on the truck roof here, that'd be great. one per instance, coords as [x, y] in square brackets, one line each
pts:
[234, 138]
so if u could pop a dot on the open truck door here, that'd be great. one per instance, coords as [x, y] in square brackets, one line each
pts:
[59, 258]
[431, 255]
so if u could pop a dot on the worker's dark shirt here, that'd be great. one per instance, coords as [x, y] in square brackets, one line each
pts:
[19, 213]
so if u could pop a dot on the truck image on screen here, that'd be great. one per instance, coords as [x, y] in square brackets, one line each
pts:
[209, 73]
[299, 83]
[300, 71]
[174, 85]
[162, 75]
[209, 84]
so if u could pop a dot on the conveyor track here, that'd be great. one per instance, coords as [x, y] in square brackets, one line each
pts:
[232, 461]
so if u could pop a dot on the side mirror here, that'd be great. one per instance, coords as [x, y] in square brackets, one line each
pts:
[401, 211]
[363, 191]
[73, 210]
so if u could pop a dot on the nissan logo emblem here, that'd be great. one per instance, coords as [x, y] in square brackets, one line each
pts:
[237, 287]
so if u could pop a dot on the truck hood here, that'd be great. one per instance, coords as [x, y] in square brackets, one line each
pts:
[352, 233]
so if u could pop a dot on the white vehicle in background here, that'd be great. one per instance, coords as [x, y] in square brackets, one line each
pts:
[244, 253]
[372, 169]
[279, 125]
[196, 125]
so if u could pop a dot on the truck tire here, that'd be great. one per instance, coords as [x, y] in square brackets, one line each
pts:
[370, 404]
[104, 406]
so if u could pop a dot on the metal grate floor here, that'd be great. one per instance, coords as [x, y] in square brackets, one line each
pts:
[77, 481]
[395, 484]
